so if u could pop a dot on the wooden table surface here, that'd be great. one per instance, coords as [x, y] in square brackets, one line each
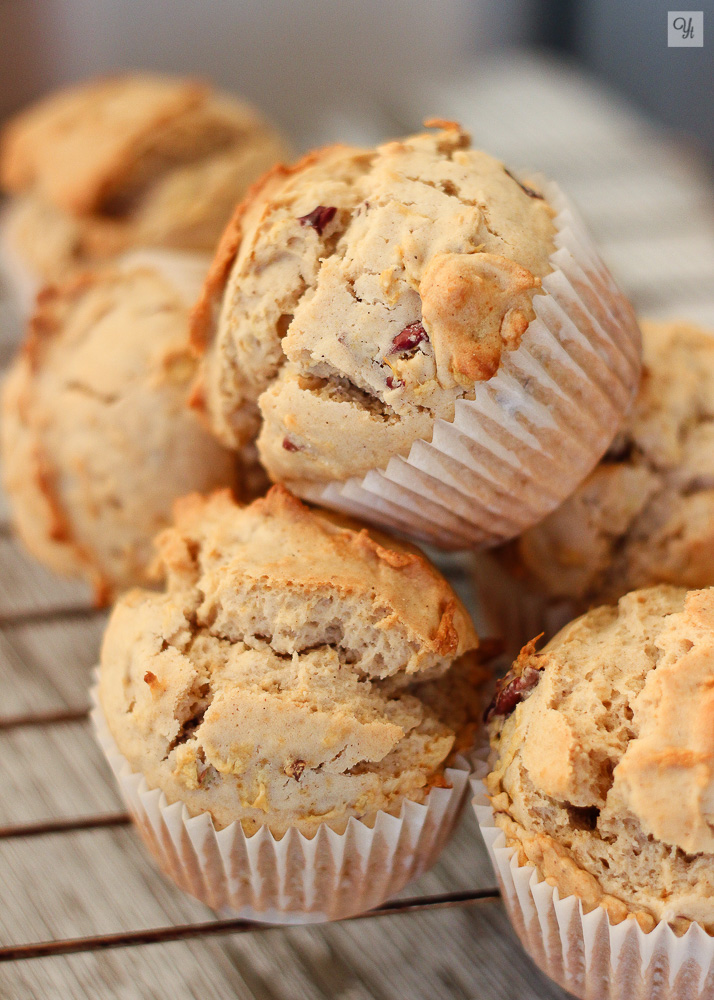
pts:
[650, 207]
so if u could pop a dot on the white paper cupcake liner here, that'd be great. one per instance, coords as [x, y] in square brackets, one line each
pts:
[533, 431]
[512, 610]
[296, 879]
[583, 952]
[18, 279]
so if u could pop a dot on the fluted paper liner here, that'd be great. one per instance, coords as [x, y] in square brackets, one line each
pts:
[17, 277]
[295, 879]
[533, 431]
[513, 610]
[583, 952]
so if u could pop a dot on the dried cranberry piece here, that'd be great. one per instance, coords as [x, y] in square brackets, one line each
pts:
[295, 768]
[409, 338]
[289, 445]
[394, 383]
[524, 187]
[318, 218]
[511, 690]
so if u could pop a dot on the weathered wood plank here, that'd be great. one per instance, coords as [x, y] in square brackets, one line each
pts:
[48, 664]
[26, 586]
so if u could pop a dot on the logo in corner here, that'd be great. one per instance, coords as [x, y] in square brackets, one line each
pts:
[685, 29]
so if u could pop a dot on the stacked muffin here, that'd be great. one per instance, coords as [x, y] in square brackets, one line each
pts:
[97, 440]
[412, 299]
[413, 335]
[646, 514]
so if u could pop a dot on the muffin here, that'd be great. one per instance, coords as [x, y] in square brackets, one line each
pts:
[97, 440]
[370, 316]
[601, 781]
[604, 766]
[644, 516]
[284, 684]
[126, 161]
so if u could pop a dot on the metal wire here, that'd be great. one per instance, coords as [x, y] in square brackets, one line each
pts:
[70, 825]
[36, 617]
[215, 928]
[47, 718]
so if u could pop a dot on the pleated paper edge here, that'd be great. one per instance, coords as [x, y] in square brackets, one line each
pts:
[404, 497]
[414, 839]
[514, 611]
[21, 281]
[583, 952]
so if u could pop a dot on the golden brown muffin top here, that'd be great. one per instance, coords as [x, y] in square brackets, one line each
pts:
[279, 679]
[365, 292]
[604, 757]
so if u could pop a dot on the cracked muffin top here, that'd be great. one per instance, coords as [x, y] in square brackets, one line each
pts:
[646, 514]
[97, 440]
[604, 758]
[135, 159]
[362, 293]
[283, 677]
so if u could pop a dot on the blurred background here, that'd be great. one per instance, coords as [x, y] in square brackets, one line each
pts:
[587, 91]
[299, 59]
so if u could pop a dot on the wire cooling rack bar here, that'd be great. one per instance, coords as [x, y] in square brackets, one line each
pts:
[70, 825]
[39, 617]
[49, 718]
[215, 928]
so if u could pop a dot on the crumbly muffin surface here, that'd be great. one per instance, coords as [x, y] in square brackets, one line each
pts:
[603, 773]
[270, 688]
[646, 514]
[130, 160]
[97, 439]
[365, 292]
